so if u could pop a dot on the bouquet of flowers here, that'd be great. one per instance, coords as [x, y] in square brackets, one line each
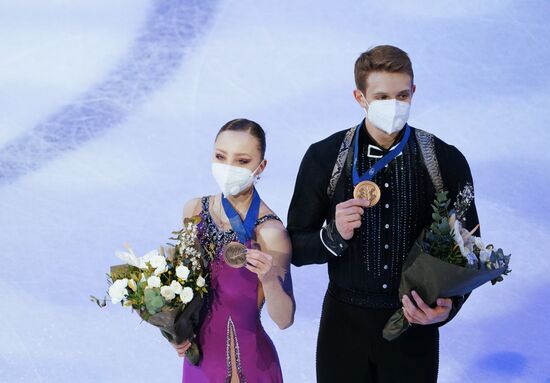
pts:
[165, 287]
[447, 260]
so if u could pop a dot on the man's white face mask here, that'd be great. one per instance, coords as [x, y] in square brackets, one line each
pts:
[389, 116]
[233, 179]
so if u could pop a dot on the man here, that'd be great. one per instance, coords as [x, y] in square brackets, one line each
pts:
[394, 171]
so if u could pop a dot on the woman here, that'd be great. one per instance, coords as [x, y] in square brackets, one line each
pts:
[234, 344]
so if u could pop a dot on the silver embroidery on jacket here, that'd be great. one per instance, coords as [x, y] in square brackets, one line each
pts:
[427, 148]
[340, 161]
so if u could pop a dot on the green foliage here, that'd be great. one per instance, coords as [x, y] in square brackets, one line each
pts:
[439, 239]
[153, 300]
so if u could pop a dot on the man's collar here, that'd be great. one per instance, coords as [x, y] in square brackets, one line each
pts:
[374, 151]
[373, 148]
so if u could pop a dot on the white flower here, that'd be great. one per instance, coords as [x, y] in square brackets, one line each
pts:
[176, 286]
[153, 281]
[158, 262]
[147, 258]
[485, 255]
[452, 220]
[200, 281]
[118, 290]
[182, 272]
[132, 284]
[463, 239]
[479, 243]
[457, 228]
[128, 257]
[186, 295]
[468, 241]
[167, 292]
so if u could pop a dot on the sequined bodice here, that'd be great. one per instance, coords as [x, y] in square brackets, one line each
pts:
[212, 238]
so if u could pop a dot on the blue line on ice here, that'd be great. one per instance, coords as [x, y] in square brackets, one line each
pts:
[156, 54]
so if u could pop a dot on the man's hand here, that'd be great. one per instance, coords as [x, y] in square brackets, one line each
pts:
[348, 216]
[423, 314]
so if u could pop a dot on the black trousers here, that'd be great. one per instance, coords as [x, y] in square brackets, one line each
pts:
[350, 347]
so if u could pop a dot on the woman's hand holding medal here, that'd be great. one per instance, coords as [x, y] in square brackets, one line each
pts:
[261, 264]
[348, 216]
[237, 255]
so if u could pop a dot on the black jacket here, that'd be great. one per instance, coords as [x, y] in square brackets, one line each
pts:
[362, 271]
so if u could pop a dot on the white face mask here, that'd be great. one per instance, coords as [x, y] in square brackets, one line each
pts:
[389, 116]
[233, 179]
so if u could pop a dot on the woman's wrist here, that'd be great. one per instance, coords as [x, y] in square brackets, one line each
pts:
[272, 284]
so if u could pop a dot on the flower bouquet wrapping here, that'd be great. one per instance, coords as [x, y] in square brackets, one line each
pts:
[447, 260]
[165, 287]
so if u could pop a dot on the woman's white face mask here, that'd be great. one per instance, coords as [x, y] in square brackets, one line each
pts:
[232, 180]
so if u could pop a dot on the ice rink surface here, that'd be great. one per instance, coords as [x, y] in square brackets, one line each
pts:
[108, 115]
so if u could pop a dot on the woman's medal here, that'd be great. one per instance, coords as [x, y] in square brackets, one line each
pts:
[364, 187]
[234, 253]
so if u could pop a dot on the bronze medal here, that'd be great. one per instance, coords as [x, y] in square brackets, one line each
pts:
[234, 254]
[367, 190]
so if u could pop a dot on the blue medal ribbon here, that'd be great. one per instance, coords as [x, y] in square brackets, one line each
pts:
[379, 165]
[244, 229]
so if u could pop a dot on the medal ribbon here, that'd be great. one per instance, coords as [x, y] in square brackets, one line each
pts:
[244, 230]
[379, 165]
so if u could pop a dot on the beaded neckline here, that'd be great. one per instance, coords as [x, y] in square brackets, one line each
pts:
[215, 226]
[208, 216]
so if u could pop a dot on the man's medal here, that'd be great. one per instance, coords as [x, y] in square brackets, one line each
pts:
[364, 187]
[367, 190]
[234, 253]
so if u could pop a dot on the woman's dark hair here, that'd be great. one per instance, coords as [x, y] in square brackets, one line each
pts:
[244, 125]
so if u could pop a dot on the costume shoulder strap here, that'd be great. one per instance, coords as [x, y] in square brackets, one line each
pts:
[426, 142]
[205, 201]
[267, 217]
[340, 161]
